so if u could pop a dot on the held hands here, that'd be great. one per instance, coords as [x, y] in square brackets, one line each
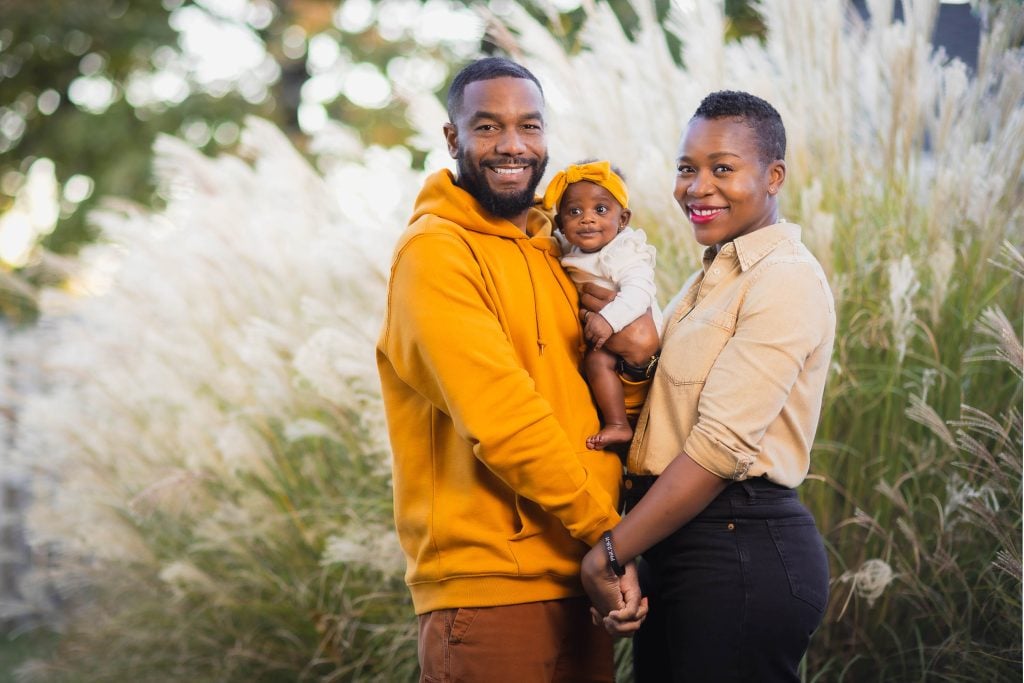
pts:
[617, 602]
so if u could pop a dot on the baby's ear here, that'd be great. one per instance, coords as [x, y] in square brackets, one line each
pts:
[624, 218]
[558, 222]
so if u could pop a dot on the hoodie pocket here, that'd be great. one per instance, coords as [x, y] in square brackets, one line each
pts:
[529, 519]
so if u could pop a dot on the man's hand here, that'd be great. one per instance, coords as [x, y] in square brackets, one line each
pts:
[595, 297]
[637, 341]
[600, 582]
[596, 329]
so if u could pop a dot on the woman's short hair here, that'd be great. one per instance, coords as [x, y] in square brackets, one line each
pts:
[762, 117]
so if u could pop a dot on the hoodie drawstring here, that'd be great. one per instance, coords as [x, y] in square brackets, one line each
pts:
[533, 291]
[555, 266]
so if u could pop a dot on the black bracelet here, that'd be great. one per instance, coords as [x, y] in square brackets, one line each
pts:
[638, 373]
[609, 550]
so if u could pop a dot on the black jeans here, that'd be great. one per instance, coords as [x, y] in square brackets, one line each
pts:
[736, 593]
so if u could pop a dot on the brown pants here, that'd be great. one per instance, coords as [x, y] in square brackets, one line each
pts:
[536, 642]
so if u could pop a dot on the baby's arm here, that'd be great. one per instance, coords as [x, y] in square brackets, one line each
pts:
[636, 289]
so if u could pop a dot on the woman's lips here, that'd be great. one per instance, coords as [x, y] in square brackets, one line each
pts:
[704, 214]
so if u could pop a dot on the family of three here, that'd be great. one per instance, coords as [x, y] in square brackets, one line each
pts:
[524, 561]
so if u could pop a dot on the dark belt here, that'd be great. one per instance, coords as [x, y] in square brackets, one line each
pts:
[635, 486]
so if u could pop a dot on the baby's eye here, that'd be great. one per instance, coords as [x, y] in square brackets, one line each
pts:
[601, 209]
[575, 211]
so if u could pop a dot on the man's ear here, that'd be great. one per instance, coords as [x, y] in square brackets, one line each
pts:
[451, 137]
[624, 218]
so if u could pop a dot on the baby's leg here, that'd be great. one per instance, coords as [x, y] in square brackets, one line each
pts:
[604, 382]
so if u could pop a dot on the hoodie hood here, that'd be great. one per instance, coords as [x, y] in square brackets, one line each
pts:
[442, 198]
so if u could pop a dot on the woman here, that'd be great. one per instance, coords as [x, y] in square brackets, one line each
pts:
[738, 571]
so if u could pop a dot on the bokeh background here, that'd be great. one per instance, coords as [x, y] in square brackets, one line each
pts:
[198, 200]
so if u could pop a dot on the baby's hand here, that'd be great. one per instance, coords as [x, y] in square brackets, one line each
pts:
[597, 330]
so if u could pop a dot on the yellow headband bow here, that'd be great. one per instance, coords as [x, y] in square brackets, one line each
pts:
[597, 172]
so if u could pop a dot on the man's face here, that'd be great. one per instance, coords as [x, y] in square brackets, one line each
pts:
[499, 144]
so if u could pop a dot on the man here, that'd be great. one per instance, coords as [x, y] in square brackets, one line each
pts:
[497, 497]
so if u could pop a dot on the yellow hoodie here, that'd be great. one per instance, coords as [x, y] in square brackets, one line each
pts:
[496, 496]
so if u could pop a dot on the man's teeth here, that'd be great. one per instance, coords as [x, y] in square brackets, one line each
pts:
[508, 171]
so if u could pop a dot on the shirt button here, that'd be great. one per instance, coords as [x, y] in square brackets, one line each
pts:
[628, 483]
[730, 526]
[715, 271]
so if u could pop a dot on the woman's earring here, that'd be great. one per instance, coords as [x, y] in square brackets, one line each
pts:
[771, 190]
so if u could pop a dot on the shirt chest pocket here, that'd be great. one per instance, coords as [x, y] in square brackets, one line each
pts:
[692, 345]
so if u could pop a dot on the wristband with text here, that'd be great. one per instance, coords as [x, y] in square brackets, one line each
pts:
[609, 550]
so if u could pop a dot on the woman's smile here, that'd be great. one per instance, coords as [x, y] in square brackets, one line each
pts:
[700, 214]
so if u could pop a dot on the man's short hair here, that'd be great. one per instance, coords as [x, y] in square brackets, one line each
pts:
[484, 70]
[755, 112]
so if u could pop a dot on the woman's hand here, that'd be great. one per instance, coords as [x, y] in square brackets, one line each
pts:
[625, 622]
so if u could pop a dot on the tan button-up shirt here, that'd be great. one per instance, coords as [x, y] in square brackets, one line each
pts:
[745, 353]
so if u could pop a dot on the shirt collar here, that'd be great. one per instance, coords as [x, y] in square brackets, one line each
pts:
[754, 246]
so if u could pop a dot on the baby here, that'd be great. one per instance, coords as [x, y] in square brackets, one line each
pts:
[592, 212]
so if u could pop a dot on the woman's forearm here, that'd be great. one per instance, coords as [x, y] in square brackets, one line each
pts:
[682, 491]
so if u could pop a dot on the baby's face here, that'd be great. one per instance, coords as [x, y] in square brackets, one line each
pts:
[589, 216]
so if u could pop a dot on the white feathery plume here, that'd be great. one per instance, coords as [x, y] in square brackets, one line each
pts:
[1005, 345]
[820, 226]
[869, 580]
[941, 263]
[377, 548]
[903, 286]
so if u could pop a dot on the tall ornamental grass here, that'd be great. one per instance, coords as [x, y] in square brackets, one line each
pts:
[213, 475]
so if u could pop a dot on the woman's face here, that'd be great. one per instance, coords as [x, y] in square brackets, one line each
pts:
[721, 183]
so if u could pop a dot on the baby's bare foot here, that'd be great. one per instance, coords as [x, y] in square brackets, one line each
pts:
[611, 435]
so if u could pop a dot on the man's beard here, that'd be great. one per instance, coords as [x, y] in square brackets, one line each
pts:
[502, 205]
